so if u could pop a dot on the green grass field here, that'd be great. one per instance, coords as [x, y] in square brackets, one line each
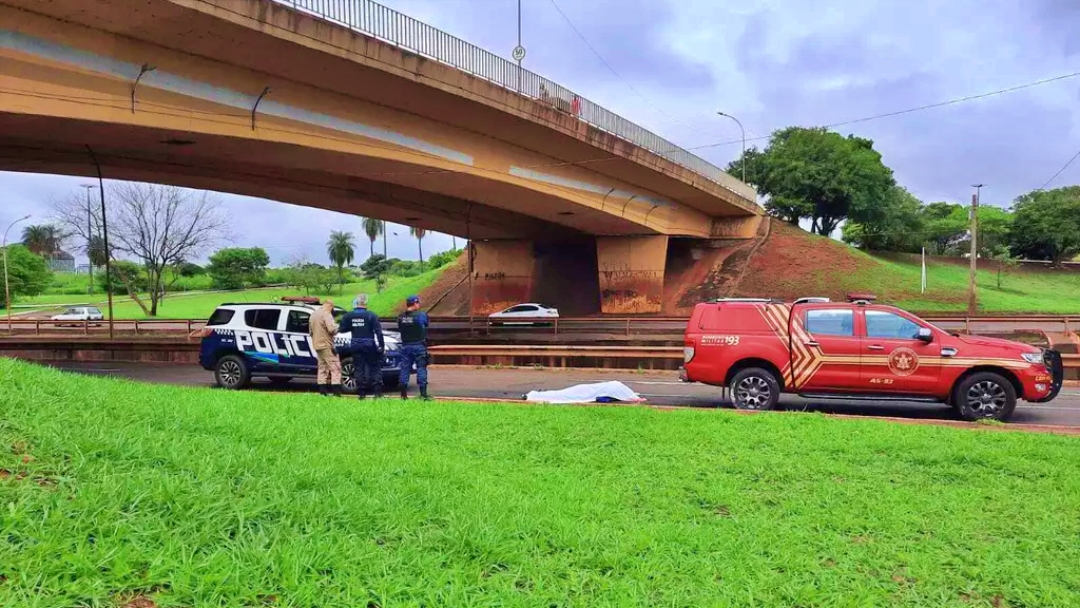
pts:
[200, 497]
[1042, 291]
[199, 305]
[795, 263]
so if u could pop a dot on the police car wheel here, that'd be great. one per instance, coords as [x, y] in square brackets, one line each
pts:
[755, 389]
[231, 372]
[985, 396]
[348, 381]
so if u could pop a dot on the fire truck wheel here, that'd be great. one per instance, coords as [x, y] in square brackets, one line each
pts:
[985, 396]
[755, 389]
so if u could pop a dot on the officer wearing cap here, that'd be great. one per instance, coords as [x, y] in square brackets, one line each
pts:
[413, 324]
[367, 346]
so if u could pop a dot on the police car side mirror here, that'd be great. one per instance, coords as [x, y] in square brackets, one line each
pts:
[925, 335]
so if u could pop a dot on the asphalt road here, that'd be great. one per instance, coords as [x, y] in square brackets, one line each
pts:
[659, 388]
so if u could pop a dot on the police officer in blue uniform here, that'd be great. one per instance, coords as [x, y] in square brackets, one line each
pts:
[413, 324]
[367, 346]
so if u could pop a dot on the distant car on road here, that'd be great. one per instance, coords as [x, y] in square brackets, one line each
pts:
[78, 315]
[525, 314]
[241, 341]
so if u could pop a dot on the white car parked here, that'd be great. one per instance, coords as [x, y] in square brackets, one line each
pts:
[79, 314]
[525, 314]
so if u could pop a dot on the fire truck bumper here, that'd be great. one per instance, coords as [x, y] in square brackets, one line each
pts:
[1057, 376]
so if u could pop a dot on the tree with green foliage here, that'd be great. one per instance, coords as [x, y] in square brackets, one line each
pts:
[376, 267]
[1046, 224]
[237, 267]
[341, 248]
[1006, 263]
[373, 228]
[124, 277]
[995, 229]
[189, 269]
[897, 228]
[817, 174]
[419, 234]
[944, 226]
[28, 273]
[42, 239]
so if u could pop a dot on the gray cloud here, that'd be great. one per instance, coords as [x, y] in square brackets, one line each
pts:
[772, 63]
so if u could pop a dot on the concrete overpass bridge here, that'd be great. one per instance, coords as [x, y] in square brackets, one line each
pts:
[349, 106]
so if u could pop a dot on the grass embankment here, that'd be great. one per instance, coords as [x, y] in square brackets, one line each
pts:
[198, 497]
[793, 263]
[199, 305]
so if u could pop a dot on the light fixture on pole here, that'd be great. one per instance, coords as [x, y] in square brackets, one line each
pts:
[7, 287]
[89, 235]
[972, 299]
[742, 160]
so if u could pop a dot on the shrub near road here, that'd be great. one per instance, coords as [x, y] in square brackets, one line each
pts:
[196, 497]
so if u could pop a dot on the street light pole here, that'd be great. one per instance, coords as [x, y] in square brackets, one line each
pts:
[89, 235]
[972, 300]
[742, 161]
[7, 287]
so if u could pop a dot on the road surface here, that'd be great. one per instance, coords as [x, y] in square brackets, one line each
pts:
[659, 388]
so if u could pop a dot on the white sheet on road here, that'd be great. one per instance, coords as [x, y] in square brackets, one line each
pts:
[587, 393]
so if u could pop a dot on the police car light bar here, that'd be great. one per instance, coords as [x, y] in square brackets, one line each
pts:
[864, 298]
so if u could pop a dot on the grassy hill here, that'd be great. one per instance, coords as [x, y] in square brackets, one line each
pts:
[199, 305]
[118, 491]
[792, 263]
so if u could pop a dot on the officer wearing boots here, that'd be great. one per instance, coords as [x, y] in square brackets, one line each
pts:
[413, 324]
[367, 346]
[322, 329]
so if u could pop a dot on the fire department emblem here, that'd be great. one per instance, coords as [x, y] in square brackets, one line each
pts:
[903, 362]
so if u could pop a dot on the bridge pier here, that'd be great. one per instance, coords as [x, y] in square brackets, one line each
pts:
[631, 272]
[502, 274]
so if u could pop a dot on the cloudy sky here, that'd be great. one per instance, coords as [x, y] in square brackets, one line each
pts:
[669, 65]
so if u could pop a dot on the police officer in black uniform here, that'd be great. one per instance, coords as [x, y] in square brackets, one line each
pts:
[367, 346]
[413, 324]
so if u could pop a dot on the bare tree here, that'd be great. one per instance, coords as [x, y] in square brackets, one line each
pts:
[160, 226]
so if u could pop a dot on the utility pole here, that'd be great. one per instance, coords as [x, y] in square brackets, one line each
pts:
[89, 235]
[972, 300]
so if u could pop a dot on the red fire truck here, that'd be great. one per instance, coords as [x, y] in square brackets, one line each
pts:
[819, 349]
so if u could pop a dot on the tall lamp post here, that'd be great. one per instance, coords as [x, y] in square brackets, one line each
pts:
[7, 287]
[742, 161]
[972, 298]
[89, 234]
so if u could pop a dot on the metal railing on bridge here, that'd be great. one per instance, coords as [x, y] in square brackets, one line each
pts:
[375, 20]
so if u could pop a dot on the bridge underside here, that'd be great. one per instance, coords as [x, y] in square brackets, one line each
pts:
[193, 116]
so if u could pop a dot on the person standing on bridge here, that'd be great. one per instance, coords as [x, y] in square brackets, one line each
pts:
[367, 346]
[413, 324]
[322, 328]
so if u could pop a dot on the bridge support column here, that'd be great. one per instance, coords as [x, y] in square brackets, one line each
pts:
[631, 273]
[502, 274]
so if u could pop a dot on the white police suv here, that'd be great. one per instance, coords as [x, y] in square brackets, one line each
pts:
[242, 341]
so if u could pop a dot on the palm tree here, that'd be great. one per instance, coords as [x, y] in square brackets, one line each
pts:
[373, 228]
[384, 239]
[41, 239]
[96, 251]
[419, 234]
[341, 248]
